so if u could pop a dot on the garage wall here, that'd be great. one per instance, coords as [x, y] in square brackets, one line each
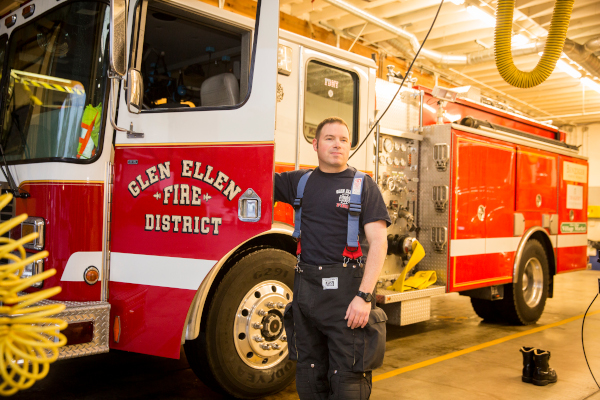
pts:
[588, 137]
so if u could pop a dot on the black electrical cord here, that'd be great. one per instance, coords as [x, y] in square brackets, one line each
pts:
[582, 345]
[403, 79]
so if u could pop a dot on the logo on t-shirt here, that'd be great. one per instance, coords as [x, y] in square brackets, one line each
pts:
[344, 199]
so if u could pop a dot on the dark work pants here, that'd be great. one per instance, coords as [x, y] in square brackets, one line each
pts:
[331, 360]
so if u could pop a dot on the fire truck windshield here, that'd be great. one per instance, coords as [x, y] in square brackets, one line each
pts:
[54, 97]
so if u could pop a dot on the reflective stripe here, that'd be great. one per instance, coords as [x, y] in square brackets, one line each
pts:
[502, 245]
[467, 247]
[472, 247]
[77, 264]
[572, 240]
[171, 272]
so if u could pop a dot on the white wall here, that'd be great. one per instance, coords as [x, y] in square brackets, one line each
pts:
[588, 137]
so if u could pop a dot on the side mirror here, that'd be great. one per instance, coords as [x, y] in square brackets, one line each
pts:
[118, 36]
[135, 91]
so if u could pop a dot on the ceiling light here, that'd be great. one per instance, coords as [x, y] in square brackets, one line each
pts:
[566, 68]
[481, 15]
[519, 40]
[591, 84]
[458, 2]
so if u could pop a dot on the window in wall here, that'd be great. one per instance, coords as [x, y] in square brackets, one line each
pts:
[192, 63]
[330, 92]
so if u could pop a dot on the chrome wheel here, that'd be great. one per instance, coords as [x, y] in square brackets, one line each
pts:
[533, 282]
[258, 331]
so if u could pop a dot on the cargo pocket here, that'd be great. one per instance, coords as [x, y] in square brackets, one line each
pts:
[369, 342]
[288, 324]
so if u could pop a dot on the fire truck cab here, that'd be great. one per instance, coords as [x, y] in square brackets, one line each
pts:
[143, 138]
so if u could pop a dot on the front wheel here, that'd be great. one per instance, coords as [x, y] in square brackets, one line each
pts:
[524, 300]
[243, 352]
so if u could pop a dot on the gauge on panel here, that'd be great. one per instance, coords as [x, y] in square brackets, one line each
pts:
[382, 159]
[397, 146]
[388, 145]
[389, 160]
[403, 162]
[402, 147]
[396, 161]
[391, 184]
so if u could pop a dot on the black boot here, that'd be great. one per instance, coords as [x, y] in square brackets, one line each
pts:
[543, 374]
[528, 365]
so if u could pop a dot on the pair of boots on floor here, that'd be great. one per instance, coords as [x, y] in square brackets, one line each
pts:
[536, 368]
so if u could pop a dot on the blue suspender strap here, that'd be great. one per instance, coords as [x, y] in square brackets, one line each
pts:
[355, 209]
[298, 203]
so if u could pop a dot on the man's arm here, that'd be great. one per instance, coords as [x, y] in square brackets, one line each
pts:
[358, 310]
[284, 189]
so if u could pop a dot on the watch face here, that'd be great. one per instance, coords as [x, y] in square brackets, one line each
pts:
[368, 297]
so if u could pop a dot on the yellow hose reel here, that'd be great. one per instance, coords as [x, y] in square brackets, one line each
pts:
[552, 50]
[29, 338]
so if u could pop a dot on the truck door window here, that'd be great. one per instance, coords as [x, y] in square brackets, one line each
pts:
[53, 99]
[189, 62]
[330, 92]
[3, 40]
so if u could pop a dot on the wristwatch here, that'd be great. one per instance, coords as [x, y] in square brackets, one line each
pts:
[368, 297]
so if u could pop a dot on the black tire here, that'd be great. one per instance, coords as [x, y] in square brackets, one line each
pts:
[486, 310]
[514, 307]
[213, 355]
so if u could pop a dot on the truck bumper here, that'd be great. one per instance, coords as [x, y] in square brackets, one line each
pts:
[88, 330]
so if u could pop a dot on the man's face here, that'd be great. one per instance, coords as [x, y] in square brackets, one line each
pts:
[333, 147]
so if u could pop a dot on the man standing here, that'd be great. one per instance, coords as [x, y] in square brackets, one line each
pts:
[333, 329]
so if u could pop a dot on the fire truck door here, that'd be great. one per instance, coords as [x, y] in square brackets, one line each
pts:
[573, 204]
[199, 181]
[482, 235]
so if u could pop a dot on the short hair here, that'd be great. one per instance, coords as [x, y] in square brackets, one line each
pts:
[330, 120]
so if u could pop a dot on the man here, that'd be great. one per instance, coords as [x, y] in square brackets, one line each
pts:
[333, 329]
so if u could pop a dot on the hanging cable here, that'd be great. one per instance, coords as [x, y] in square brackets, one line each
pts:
[582, 345]
[29, 338]
[402, 84]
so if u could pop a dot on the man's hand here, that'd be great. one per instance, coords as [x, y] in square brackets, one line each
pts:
[358, 313]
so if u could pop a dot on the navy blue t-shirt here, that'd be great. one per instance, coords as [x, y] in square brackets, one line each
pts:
[325, 211]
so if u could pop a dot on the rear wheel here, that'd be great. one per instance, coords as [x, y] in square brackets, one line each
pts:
[486, 309]
[243, 351]
[525, 299]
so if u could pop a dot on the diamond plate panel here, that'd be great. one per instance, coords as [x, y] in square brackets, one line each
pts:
[96, 311]
[428, 218]
[408, 312]
[391, 296]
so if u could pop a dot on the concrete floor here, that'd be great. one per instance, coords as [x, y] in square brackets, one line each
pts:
[421, 360]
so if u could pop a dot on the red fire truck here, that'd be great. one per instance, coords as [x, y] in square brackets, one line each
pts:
[141, 140]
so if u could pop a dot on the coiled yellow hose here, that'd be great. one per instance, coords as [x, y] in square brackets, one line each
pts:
[552, 49]
[29, 339]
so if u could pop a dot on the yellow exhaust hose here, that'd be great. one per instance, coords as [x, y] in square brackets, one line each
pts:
[29, 338]
[417, 255]
[552, 49]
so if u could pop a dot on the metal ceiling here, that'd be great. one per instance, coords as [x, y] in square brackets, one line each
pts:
[562, 98]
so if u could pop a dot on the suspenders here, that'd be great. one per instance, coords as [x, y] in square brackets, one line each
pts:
[298, 204]
[352, 251]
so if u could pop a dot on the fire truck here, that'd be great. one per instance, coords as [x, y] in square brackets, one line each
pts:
[141, 139]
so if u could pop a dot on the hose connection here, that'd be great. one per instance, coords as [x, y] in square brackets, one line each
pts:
[29, 338]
